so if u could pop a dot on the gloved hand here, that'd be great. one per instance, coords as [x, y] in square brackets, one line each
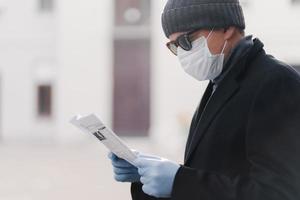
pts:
[123, 170]
[157, 175]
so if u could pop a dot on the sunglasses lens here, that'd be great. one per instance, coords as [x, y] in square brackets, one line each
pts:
[173, 48]
[184, 43]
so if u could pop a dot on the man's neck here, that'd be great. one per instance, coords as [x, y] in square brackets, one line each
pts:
[232, 44]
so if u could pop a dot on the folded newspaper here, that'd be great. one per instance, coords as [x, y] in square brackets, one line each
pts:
[91, 124]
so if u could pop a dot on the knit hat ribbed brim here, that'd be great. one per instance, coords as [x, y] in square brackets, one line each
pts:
[187, 15]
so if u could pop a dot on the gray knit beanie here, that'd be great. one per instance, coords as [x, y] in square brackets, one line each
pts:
[188, 15]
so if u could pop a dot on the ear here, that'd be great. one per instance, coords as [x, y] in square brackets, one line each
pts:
[229, 33]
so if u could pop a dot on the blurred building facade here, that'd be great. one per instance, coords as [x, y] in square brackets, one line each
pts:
[62, 58]
[28, 68]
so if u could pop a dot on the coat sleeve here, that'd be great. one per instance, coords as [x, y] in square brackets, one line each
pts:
[138, 194]
[272, 146]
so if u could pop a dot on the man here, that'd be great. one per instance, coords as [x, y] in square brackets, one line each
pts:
[244, 140]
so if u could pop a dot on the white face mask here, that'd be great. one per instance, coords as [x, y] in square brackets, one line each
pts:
[199, 62]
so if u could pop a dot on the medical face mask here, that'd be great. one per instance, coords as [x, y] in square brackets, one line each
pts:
[199, 62]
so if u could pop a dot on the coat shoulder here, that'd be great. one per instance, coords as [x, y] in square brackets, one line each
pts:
[276, 68]
[266, 67]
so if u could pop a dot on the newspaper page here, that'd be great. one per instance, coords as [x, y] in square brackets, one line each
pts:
[91, 124]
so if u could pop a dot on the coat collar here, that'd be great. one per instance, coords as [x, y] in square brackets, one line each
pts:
[227, 88]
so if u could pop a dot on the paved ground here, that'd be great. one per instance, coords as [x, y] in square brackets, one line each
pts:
[64, 172]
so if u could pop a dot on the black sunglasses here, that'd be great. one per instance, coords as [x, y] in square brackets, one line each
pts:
[184, 41]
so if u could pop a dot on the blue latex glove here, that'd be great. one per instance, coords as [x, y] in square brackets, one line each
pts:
[123, 170]
[157, 175]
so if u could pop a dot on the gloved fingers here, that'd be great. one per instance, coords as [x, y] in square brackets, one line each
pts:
[148, 190]
[148, 156]
[124, 178]
[123, 164]
[145, 180]
[112, 156]
[143, 171]
[126, 170]
[119, 162]
[143, 155]
[142, 162]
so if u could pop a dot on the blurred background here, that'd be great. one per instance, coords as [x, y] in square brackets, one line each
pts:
[59, 58]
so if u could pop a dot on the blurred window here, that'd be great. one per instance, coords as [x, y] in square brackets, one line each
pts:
[295, 1]
[132, 12]
[46, 5]
[44, 100]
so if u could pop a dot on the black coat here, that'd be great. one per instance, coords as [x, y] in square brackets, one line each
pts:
[245, 143]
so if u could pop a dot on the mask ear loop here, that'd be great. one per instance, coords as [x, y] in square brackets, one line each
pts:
[210, 34]
[224, 47]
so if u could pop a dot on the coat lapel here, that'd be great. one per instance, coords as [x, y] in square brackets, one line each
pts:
[197, 115]
[218, 100]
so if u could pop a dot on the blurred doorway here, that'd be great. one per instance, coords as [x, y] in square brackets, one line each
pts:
[131, 100]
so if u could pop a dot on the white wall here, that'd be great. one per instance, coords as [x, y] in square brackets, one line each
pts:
[27, 38]
[85, 56]
[277, 25]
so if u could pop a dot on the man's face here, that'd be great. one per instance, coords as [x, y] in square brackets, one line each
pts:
[215, 42]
